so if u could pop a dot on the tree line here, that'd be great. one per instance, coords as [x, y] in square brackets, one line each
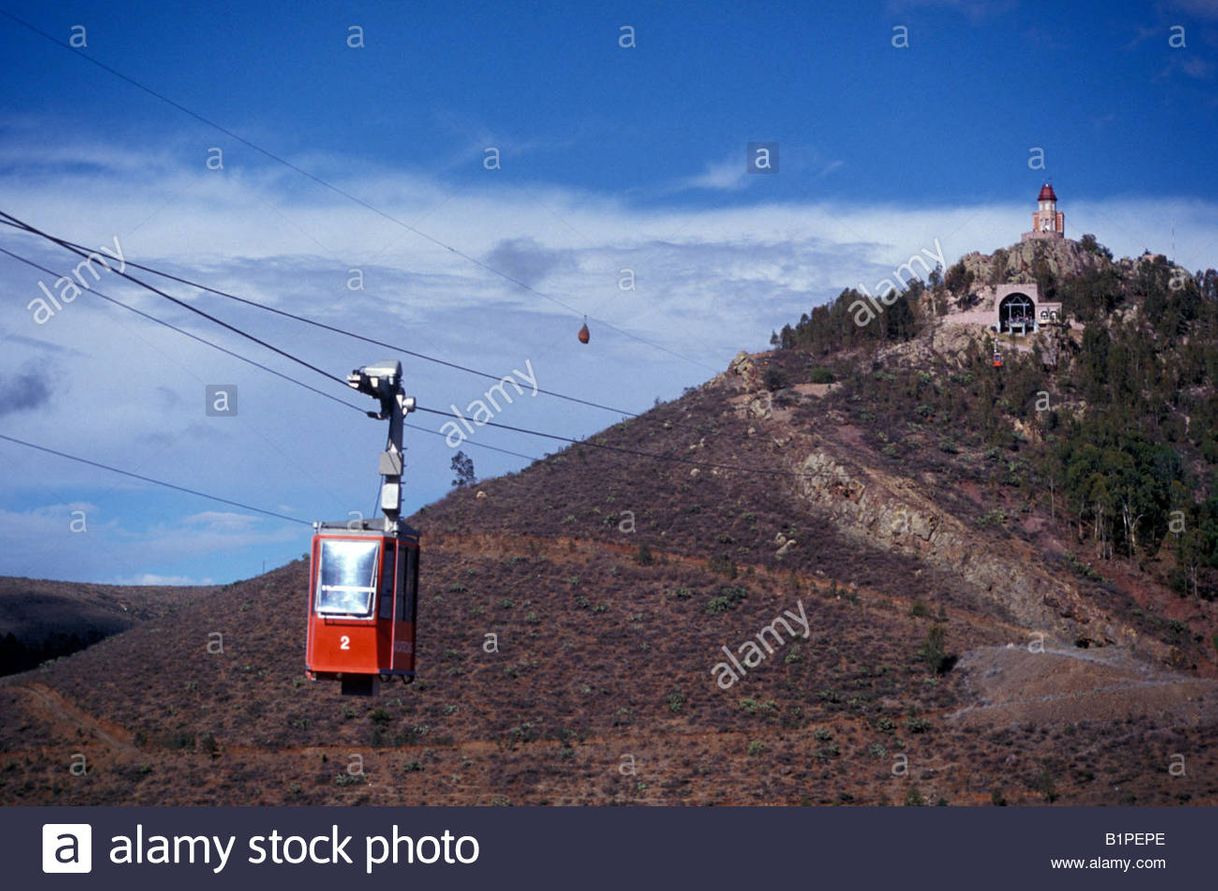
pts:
[1126, 420]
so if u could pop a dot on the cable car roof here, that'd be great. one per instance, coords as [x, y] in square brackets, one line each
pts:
[369, 528]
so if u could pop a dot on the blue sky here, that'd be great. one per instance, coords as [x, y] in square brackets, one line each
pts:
[611, 158]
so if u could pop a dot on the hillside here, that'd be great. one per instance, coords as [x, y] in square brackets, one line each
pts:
[41, 620]
[981, 627]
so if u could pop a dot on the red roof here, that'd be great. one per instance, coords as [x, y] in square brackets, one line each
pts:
[1047, 193]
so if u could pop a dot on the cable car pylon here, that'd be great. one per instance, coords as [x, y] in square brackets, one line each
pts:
[364, 574]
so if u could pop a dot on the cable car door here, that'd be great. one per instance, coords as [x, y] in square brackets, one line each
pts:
[406, 606]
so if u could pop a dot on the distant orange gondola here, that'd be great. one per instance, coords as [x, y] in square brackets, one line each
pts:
[997, 359]
[584, 334]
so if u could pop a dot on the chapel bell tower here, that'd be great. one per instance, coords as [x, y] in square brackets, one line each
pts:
[1047, 220]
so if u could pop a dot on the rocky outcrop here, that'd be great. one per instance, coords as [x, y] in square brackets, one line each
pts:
[761, 405]
[1017, 263]
[744, 367]
[955, 344]
[950, 343]
[891, 513]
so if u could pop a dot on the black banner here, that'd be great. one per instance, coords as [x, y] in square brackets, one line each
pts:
[439, 848]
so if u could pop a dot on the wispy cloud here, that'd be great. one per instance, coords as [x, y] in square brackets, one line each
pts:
[221, 522]
[721, 176]
[830, 167]
[1197, 68]
[86, 540]
[152, 579]
[705, 283]
[731, 174]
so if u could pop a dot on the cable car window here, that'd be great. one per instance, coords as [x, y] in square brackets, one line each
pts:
[387, 586]
[410, 588]
[347, 577]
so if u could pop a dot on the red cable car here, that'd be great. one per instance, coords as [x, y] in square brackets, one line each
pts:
[364, 576]
[584, 334]
[997, 359]
[363, 595]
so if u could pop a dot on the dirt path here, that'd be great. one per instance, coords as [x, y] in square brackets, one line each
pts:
[1059, 686]
[572, 550]
[56, 706]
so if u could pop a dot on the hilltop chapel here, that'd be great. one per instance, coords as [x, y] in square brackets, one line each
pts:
[1017, 308]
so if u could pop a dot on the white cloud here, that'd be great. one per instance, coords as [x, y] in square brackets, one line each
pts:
[221, 522]
[708, 282]
[151, 578]
[89, 540]
[721, 176]
[731, 174]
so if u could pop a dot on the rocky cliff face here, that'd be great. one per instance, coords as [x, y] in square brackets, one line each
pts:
[1017, 263]
[893, 513]
[899, 513]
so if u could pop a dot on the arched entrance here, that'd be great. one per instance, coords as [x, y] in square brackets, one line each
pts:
[1017, 314]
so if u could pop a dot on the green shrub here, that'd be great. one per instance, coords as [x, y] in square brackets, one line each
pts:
[1045, 786]
[774, 379]
[934, 652]
[728, 598]
[995, 517]
[751, 706]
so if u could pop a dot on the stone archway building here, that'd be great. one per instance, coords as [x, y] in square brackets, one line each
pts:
[1010, 309]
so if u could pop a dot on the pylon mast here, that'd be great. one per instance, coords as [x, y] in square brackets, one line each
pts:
[383, 382]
